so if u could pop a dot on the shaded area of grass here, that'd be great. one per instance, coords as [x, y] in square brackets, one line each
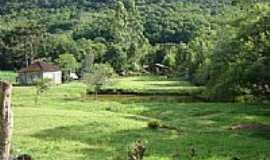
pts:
[66, 125]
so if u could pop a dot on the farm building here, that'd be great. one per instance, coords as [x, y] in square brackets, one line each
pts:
[157, 68]
[39, 70]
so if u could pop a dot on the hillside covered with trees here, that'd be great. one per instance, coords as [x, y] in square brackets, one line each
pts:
[222, 44]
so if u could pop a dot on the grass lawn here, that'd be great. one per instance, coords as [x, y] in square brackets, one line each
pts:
[8, 76]
[66, 125]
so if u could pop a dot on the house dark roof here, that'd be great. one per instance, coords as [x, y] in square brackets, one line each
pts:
[40, 67]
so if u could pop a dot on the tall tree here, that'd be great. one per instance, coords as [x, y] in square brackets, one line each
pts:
[24, 42]
[68, 64]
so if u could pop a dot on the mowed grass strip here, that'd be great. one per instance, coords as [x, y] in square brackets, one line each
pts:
[150, 85]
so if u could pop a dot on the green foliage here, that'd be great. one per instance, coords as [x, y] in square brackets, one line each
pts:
[167, 24]
[242, 65]
[99, 76]
[134, 67]
[183, 59]
[68, 64]
[137, 152]
[23, 44]
[154, 124]
[116, 57]
[170, 58]
[204, 41]
[88, 62]
[42, 86]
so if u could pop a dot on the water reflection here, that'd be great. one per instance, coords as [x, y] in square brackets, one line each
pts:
[143, 99]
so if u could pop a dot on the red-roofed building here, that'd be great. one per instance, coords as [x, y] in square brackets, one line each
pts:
[39, 70]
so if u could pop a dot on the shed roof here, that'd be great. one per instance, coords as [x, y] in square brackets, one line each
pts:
[162, 66]
[40, 67]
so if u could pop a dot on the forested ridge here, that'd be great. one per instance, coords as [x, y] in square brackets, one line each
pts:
[222, 44]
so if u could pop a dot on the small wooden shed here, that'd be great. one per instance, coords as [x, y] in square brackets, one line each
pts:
[157, 68]
[39, 70]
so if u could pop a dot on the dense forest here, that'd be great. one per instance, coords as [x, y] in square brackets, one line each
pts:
[222, 44]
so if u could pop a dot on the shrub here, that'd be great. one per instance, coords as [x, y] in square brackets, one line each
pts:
[42, 85]
[154, 124]
[135, 67]
[137, 152]
[100, 76]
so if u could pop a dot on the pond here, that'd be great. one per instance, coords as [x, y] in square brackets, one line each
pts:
[146, 98]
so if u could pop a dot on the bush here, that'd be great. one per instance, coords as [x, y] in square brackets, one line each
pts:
[154, 124]
[135, 67]
[169, 60]
[100, 76]
[42, 85]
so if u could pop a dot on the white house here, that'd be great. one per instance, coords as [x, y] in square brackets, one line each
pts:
[39, 70]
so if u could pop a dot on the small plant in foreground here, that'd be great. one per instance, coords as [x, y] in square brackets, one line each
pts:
[192, 152]
[137, 152]
[42, 85]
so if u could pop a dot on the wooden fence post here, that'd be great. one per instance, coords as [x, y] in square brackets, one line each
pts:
[6, 120]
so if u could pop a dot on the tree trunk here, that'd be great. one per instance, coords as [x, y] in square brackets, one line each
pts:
[6, 120]
[26, 60]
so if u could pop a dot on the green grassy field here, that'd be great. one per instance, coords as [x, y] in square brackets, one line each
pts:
[8, 76]
[67, 125]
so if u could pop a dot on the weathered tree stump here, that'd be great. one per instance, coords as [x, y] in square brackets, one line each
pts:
[6, 120]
